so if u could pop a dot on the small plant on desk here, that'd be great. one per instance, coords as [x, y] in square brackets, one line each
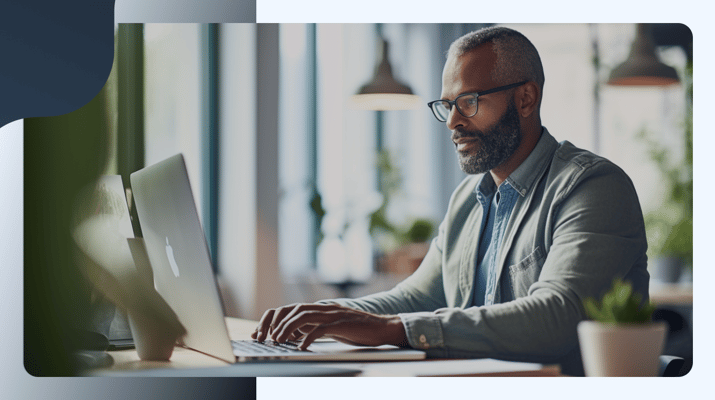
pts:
[621, 339]
[620, 305]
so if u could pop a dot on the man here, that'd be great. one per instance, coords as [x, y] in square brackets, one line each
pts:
[543, 227]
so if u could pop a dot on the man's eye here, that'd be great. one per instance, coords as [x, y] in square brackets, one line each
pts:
[470, 100]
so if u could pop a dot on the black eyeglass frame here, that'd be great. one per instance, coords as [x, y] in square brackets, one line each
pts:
[453, 103]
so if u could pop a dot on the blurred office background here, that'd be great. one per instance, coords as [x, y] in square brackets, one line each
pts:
[303, 195]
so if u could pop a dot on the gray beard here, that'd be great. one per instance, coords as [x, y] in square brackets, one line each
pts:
[496, 145]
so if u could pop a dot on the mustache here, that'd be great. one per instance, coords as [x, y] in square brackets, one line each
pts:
[462, 133]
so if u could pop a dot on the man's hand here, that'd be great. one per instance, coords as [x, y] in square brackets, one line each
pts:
[312, 321]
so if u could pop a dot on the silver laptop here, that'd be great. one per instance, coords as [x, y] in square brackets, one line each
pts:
[183, 276]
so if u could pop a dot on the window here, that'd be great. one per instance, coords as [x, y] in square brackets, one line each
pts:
[609, 125]
[330, 147]
[173, 97]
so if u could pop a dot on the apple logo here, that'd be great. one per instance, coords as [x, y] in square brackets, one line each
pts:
[170, 256]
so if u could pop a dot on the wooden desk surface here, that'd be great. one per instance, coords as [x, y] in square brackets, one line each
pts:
[240, 329]
[127, 360]
[671, 293]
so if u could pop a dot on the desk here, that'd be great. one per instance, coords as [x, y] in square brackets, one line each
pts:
[185, 362]
[675, 304]
[671, 293]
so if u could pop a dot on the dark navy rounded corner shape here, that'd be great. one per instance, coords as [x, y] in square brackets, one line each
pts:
[56, 56]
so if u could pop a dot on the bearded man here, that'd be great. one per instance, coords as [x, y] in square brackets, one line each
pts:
[536, 227]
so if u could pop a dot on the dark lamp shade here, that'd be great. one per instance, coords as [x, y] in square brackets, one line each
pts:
[643, 72]
[642, 68]
[384, 92]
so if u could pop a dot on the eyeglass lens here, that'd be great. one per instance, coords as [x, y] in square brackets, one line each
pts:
[466, 105]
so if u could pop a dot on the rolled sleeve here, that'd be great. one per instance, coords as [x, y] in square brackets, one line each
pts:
[423, 330]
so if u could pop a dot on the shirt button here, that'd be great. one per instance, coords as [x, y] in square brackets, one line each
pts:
[423, 342]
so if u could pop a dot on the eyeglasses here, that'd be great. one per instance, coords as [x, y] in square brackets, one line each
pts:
[466, 103]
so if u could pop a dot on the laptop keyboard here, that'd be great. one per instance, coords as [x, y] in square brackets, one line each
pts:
[267, 347]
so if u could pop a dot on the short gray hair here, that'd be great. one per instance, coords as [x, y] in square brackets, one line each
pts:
[517, 58]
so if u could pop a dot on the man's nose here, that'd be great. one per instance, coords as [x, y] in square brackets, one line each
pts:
[455, 119]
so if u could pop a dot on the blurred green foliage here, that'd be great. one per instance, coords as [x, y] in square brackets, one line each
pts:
[620, 305]
[670, 227]
[415, 231]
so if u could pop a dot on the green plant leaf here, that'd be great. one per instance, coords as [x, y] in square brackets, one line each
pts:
[622, 292]
[592, 310]
[620, 305]
[420, 231]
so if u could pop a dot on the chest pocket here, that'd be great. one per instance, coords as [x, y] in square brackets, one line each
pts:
[524, 273]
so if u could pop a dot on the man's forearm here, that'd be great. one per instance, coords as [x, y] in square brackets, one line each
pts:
[538, 327]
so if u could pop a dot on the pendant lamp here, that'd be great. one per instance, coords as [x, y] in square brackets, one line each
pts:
[642, 67]
[384, 92]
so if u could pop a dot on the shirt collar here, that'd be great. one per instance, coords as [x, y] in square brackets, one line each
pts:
[487, 188]
[526, 174]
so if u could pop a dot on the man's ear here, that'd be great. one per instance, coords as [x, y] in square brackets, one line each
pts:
[527, 99]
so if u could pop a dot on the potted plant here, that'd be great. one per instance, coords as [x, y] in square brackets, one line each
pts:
[403, 246]
[400, 247]
[620, 339]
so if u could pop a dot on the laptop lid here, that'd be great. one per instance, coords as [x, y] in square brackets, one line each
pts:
[113, 201]
[179, 255]
[102, 228]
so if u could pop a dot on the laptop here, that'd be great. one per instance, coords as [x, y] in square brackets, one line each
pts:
[119, 335]
[102, 235]
[183, 275]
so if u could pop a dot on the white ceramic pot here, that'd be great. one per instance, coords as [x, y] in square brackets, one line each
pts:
[153, 340]
[621, 349]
